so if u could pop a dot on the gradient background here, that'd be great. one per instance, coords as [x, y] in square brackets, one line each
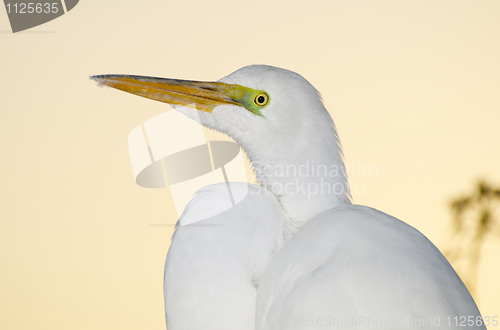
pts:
[413, 87]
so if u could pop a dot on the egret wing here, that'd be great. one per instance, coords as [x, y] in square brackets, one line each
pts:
[220, 248]
[355, 267]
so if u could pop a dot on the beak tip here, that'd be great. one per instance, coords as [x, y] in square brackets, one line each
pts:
[99, 79]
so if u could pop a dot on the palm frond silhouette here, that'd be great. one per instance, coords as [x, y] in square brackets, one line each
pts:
[476, 216]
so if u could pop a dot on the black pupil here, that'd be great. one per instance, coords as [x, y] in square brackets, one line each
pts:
[261, 99]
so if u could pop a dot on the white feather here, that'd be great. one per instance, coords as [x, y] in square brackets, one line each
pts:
[355, 267]
[214, 265]
[341, 261]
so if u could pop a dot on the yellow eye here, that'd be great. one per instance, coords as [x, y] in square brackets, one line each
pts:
[261, 99]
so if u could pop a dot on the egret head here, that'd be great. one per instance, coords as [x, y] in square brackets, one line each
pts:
[290, 106]
[278, 118]
[256, 105]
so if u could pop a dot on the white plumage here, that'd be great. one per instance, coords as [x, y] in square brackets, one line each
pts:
[214, 266]
[318, 261]
[357, 268]
[296, 133]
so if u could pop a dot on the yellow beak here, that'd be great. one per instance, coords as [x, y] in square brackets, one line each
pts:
[195, 94]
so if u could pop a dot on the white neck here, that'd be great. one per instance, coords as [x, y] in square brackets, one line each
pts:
[305, 171]
[294, 149]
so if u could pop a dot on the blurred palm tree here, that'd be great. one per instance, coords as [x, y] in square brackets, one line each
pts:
[475, 217]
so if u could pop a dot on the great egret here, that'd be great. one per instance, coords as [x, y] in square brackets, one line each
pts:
[341, 265]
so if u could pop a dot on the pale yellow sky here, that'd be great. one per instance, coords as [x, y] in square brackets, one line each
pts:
[413, 87]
